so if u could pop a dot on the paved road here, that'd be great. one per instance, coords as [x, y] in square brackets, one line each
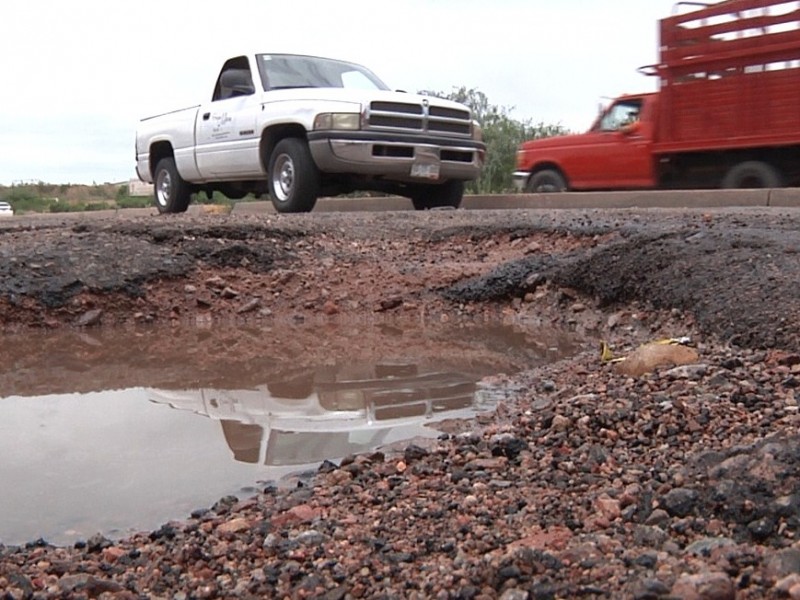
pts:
[663, 199]
[787, 197]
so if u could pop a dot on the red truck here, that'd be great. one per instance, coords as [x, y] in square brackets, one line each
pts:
[727, 113]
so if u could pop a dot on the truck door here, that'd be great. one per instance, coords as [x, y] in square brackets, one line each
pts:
[616, 153]
[227, 144]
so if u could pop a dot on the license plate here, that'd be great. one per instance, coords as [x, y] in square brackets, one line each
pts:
[425, 170]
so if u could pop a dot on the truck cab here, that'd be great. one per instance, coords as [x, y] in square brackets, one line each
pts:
[615, 153]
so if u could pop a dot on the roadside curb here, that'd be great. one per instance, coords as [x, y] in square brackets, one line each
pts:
[784, 197]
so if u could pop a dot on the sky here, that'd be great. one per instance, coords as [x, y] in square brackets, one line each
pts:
[77, 75]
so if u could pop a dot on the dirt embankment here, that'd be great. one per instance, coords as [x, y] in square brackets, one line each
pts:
[734, 270]
[587, 482]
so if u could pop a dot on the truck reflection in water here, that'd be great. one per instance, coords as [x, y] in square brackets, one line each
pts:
[330, 412]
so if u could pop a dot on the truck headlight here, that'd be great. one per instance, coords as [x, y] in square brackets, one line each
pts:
[350, 121]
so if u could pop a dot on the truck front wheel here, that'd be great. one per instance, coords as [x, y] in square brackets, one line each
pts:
[444, 195]
[170, 192]
[752, 174]
[548, 180]
[293, 177]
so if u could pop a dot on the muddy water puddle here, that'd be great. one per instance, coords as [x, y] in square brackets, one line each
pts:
[116, 431]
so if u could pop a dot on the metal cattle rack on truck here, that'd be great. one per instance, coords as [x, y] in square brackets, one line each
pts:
[730, 77]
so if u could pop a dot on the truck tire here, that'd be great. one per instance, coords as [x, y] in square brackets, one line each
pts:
[443, 195]
[752, 174]
[294, 180]
[545, 181]
[170, 192]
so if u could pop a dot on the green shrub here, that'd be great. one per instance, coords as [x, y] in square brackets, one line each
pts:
[58, 207]
[134, 202]
[27, 204]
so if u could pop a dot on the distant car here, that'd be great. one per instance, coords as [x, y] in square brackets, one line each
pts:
[6, 210]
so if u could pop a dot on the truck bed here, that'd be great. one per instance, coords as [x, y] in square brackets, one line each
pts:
[730, 77]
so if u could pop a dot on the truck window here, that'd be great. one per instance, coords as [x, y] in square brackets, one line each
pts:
[234, 80]
[620, 115]
[356, 80]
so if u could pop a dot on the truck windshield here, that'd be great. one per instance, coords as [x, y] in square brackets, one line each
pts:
[282, 71]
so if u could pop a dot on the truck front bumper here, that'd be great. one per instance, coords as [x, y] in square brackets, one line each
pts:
[397, 158]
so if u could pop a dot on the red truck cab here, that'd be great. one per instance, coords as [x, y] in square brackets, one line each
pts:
[725, 114]
[616, 153]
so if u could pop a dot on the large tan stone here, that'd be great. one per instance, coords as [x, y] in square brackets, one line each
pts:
[647, 357]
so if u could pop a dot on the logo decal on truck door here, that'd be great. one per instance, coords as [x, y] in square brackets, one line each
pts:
[221, 128]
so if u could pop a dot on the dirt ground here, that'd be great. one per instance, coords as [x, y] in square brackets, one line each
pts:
[591, 483]
[733, 270]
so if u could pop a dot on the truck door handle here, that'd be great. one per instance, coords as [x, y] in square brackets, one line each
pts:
[206, 116]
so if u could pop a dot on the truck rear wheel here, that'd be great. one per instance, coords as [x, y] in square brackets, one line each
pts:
[293, 177]
[548, 180]
[444, 195]
[752, 174]
[171, 193]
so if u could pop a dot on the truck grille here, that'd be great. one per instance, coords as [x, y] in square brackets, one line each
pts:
[420, 118]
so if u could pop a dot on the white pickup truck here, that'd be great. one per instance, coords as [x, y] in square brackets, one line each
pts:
[299, 127]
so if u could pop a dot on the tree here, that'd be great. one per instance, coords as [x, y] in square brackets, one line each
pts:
[502, 135]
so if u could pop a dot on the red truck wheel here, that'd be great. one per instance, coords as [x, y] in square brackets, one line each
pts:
[752, 174]
[548, 180]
